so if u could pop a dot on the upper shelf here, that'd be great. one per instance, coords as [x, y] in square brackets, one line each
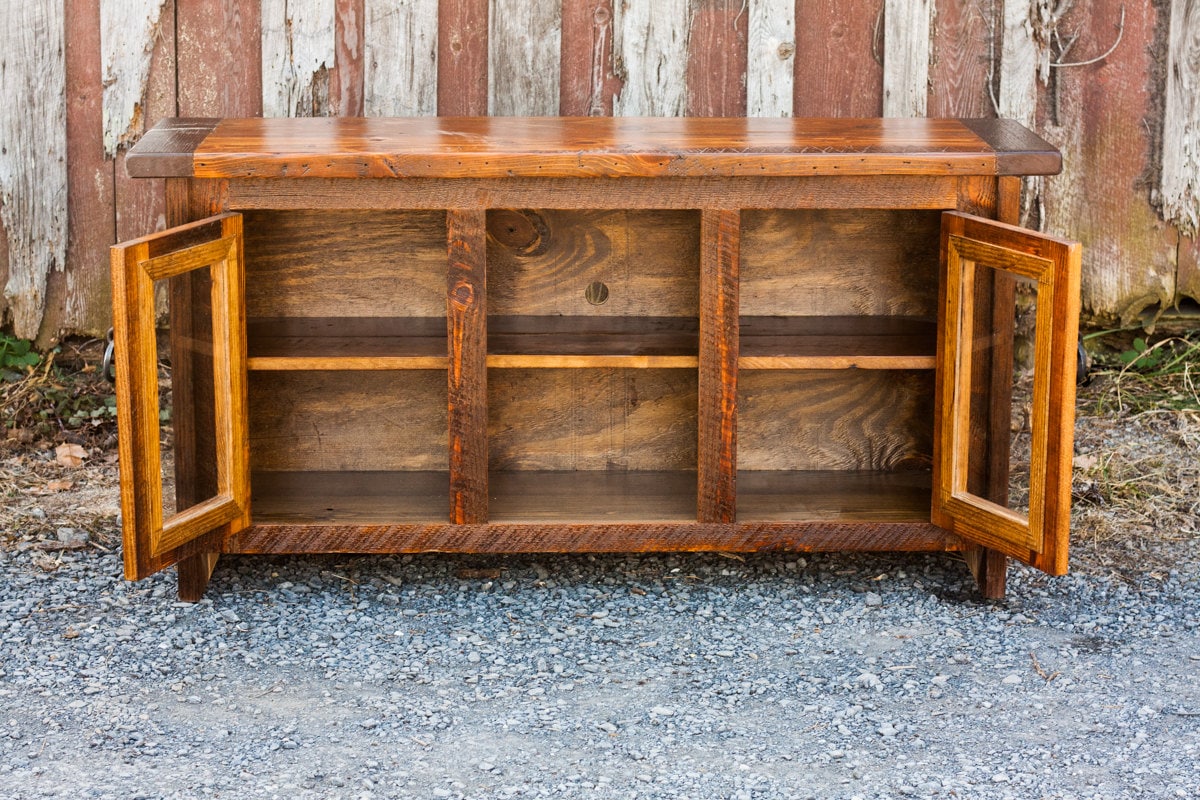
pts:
[586, 147]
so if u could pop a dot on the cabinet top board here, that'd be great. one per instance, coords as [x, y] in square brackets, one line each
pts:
[582, 147]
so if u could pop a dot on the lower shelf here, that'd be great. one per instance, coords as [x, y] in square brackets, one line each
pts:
[363, 498]
[814, 495]
[592, 496]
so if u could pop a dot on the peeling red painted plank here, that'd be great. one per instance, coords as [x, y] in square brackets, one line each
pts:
[462, 58]
[587, 82]
[346, 82]
[838, 60]
[219, 46]
[961, 60]
[716, 72]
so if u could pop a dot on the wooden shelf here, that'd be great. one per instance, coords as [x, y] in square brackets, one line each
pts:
[809, 496]
[837, 343]
[343, 343]
[397, 343]
[338, 498]
[592, 496]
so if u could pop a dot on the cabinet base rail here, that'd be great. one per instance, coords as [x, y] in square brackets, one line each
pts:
[512, 538]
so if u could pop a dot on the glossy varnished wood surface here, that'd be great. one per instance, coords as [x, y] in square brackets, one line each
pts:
[557, 147]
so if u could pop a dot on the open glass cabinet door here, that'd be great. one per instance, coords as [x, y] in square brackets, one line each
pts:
[200, 267]
[983, 264]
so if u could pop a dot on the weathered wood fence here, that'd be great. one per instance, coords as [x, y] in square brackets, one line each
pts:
[1114, 83]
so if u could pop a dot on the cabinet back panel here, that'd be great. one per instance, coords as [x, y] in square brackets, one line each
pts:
[861, 262]
[363, 263]
[542, 263]
[592, 419]
[835, 419]
[322, 421]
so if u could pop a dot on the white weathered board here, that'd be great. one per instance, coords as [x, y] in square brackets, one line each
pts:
[906, 26]
[524, 58]
[128, 30]
[1018, 64]
[650, 50]
[33, 166]
[770, 58]
[400, 58]
[297, 56]
[1181, 119]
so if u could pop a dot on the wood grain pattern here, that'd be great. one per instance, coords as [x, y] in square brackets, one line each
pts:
[839, 263]
[1131, 255]
[347, 422]
[542, 262]
[592, 419]
[462, 76]
[129, 33]
[651, 47]
[720, 234]
[1181, 120]
[346, 85]
[466, 320]
[33, 169]
[400, 55]
[524, 51]
[1017, 95]
[835, 420]
[770, 58]
[838, 72]
[79, 298]
[297, 57]
[380, 264]
[588, 82]
[365, 497]
[599, 496]
[851, 342]
[906, 26]
[962, 58]
[593, 147]
[219, 76]
[833, 495]
[716, 59]
[908, 191]
[595, 538]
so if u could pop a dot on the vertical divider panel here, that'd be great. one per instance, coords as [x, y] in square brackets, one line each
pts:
[466, 321]
[720, 236]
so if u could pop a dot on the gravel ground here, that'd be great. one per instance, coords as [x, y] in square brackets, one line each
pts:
[693, 676]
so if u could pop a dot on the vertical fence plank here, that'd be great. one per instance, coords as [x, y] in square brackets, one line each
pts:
[78, 299]
[906, 26]
[587, 84]
[297, 57]
[219, 53]
[524, 52]
[651, 46]
[400, 49]
[1095, 114]
[770, 58]
[1181, 119]
[1018, 64]
[33, 165]
[346, 83]
[838, 69]
[716, 65]
[462, 82]
[960, 70]
[128, 31]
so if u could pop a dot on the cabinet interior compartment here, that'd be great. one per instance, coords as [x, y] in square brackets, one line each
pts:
[592, 445]
[832, 289]
[349, 447]
[346, 289]
[848, 445]
[593, 288]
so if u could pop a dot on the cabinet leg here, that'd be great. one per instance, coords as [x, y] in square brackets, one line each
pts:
[194, 573]
[990, 569]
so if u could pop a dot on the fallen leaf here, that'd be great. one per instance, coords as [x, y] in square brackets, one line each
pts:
[59, 486]
[1084, 462]
[70, 455]
[70, 633]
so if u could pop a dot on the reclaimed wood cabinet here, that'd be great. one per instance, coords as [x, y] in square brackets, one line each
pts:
[512, 335]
